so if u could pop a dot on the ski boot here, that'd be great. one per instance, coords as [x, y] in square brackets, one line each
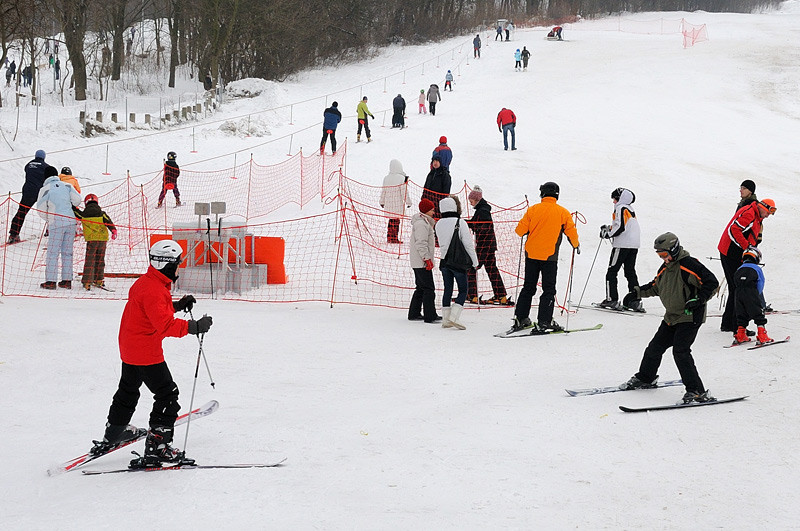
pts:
[740, 336]
[114, 436]
[762, 337]
[159, 204]
[548, 328]
[610, 305]
[636, 383]
[158, 451]
[48, 285]
[521, 324]
[66, 284]
[178, 203]
[697, 396]
[358, 138]
[369, 139]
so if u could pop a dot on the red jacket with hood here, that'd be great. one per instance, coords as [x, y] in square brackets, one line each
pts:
[742, 231]
[148, 318]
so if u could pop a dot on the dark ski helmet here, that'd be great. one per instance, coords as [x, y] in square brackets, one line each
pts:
[668, 242]
[617, 193]
[752, 254]
[66, 170]
[549, 189]
[172, 155]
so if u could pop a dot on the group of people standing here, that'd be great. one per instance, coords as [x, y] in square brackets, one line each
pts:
[57, 197]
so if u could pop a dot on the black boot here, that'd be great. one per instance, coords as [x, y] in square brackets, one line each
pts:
[157, 450]
[415, 308]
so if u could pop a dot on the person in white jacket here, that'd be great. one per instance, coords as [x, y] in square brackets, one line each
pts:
[56, 199]
[447, 227]
[394, 199]
[624, 234]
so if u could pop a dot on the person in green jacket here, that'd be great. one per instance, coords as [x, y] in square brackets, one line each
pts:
[684, 285]
[363, 121]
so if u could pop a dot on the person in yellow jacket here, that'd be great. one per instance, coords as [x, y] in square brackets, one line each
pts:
[545, 224]
[96, 226]
[363, 121]
[67, 177]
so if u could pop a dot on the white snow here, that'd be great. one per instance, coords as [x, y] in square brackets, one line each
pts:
[388, 424]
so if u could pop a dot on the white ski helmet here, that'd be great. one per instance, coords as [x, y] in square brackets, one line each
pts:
[165, 252]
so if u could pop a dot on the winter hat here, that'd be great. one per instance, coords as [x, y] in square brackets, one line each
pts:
[50, 171]
[426, 205]
[335, 104]
[476, 194]
[422, 91]
[750, 185]
[40, 154]
[448, 71]
[436, 156]
[443, 140]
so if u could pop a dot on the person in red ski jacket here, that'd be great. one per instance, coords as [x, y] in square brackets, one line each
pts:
[171, 173]
[740, 234]
[147, 319]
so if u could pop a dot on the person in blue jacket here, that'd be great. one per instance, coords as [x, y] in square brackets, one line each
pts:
[56, 199]
[518, 60]
[749, 287]
[331, 118]
[34, 180]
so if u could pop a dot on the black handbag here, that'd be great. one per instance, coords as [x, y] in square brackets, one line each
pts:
[457, 257]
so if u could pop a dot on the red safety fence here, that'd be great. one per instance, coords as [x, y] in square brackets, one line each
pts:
[338, 254]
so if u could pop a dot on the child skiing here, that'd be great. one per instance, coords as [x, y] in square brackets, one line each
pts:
[422, 100]
[684, 285]
[448, 80]
[624, 235]
[171, 174]
[96, 225]
[518, 61]
[749, 286]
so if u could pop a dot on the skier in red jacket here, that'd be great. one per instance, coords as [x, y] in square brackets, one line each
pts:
[147, 319]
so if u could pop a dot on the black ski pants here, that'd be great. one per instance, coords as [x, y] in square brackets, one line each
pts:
[680, 337]
[19, 218]
[364, 123]
[748, 301]
[489, 263]
[549, 271]
[325, 134]
[619, 258]
[730, 263]
[159, 381]
[423, 302]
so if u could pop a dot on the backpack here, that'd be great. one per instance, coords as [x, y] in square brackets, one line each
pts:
[457, 257]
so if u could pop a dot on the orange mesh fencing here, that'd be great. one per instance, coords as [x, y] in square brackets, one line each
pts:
[342, 254]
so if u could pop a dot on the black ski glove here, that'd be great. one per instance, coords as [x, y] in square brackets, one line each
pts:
[694, 304]
[186, 303]
[200, 326]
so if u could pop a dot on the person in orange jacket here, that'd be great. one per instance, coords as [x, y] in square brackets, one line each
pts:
[147, 319]
[67, 177]
[545, 224]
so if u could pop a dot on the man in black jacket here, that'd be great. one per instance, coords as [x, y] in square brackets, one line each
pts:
[485, 247]
[34, 179]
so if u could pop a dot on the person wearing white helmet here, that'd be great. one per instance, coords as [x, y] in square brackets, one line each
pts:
[147, 319]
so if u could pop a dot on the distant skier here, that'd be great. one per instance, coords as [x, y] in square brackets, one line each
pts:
[448, 80]
[525, 54]
[399, 108]
[330, 121]
[422, 100]
[499, 32]
[518, 61]
[624, 235]
[363, 122]
[433, 97]
[507, 123]
[684, 285]
[170, 182]
[476, 47]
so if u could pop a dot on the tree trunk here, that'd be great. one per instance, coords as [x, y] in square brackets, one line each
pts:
[118, 42]
[173, 26]
[73, 22]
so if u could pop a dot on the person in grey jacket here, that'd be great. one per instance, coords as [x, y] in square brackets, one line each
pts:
[624, 234]
[420, 254]
[433, 97]
[445, 230]
[56, 199]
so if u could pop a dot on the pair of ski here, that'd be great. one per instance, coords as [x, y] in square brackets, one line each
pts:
[668, 383]
[759, 345]
[533, 331]
[198, 413]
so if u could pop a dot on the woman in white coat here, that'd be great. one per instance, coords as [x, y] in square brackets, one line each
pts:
[445, 231]
[56, 199]
[395, 199]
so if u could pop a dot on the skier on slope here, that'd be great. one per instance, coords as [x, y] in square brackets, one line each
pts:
[170, 182]
[624, 235]
[362, 111]
[749, 280]
[331, 118]
[147, 319]
[684, 285]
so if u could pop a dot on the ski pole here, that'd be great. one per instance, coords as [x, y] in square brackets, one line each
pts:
[203, 353]
[210, 265]
[569, 286]
[590, 272]
[519, 267]
[194, 387]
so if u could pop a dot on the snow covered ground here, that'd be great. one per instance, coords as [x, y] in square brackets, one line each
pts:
[388, 424]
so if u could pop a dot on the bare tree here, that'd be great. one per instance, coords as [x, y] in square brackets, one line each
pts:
[73, 14]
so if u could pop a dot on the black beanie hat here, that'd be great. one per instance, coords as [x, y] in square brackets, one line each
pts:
[335, 104]
[750, 185]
